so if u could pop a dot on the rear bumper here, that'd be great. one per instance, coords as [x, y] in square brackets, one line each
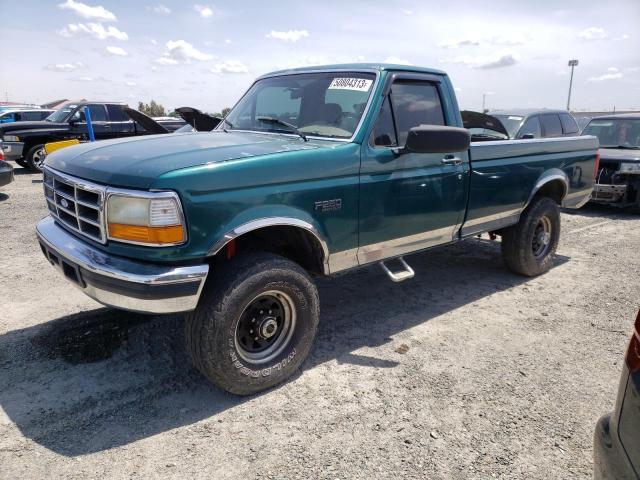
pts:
[12, 150]
[120, 282]
[610, 461]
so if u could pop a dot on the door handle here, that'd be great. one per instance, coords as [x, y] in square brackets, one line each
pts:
[451, 161]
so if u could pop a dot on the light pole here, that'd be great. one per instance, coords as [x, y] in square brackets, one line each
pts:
[572, 64]
[484, 100]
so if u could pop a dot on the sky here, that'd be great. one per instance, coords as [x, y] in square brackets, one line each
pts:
[205, 55]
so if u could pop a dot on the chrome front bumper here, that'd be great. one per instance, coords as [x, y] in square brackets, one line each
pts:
[120, 282]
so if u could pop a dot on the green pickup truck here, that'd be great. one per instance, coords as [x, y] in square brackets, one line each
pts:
[313, 172]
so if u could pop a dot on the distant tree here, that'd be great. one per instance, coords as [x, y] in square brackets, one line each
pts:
[152, 109]
[225, 111]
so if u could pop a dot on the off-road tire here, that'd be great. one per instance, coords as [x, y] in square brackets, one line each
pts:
[518, 241]
[31, 163]
[211, 330]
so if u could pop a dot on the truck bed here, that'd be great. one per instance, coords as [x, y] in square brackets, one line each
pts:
[505, 174]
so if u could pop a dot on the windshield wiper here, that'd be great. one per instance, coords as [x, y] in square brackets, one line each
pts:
[290, 126]
[625, 147]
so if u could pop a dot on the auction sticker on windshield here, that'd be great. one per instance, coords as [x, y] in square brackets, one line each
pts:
[359, 84]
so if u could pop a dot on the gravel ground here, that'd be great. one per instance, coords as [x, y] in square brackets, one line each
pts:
[466, 371]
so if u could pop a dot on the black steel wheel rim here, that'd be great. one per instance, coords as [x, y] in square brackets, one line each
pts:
[265, 327]
[542, 237]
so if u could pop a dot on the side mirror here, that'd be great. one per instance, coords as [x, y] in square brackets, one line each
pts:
[527, 136]
[437, 139]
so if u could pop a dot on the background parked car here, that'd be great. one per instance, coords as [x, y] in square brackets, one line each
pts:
[617, 436]
[4, 108]
[537, 123]
[24, 141]
[32, 115]
[618, 176]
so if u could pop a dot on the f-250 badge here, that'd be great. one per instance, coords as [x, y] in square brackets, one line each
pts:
[328, 205]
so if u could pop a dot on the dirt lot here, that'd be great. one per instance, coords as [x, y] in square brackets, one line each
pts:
[501, 376]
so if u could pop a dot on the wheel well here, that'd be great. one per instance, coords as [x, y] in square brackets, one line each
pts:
[555, 190]
[29, 143]
[294, 243]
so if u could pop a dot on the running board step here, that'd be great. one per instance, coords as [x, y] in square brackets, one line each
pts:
[405, 274]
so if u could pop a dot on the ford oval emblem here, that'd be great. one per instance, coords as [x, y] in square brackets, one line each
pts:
[64, 203]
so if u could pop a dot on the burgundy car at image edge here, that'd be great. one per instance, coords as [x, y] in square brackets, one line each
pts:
[617, 436]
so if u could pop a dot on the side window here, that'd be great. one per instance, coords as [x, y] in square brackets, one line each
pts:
[551, 125]
[98, 113]
[31, 116]
[384, 133]
[116, 114]
[569, 125]
[415, 103]
[531, 127]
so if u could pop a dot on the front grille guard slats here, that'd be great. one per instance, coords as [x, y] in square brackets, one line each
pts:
[76, 204]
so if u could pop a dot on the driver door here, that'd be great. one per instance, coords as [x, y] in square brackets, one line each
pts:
[409, 201]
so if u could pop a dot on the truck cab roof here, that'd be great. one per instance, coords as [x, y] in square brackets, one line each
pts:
[379, 67]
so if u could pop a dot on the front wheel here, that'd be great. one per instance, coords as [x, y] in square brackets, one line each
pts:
[255, 323]
[35, 158]
[528, 246]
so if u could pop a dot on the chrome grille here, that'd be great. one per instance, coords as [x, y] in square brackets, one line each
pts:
[75, 203]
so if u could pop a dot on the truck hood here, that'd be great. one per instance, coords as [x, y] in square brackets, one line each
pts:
[137, 162]
[15, 127]
[621, 154]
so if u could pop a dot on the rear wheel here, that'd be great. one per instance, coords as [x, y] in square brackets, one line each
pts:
[528, 246]
[255, 323]
[35, 158]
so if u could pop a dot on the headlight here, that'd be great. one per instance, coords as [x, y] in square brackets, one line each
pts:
[153, 218]
[629, 167]
[11, 138]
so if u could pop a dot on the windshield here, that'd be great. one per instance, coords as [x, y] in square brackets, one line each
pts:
[615, 133]
[512, 123]
[62, 114]
[328, 104]
[486, 132]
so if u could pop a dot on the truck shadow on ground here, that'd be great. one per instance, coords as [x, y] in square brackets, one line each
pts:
[594, 210]
[104, 378]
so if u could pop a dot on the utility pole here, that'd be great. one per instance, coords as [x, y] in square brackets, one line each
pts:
[572, 64]
[484, 96]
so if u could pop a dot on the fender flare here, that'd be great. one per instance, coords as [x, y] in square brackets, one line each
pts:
[275, 221]
[553, 175]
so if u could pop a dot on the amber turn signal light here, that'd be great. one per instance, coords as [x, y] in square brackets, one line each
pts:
[151, 235]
